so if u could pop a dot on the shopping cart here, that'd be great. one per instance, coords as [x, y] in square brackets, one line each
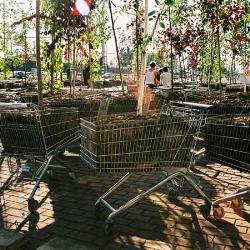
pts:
[130, 144]
[92, 107]
[228, 109]
[227, 140]
[36, 137]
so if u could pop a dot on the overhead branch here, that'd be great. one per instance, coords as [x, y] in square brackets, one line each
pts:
[30, 18]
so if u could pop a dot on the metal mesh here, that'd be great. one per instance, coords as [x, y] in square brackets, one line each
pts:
[128, 143]
[36, 133]
[20, 133]
[227, 140]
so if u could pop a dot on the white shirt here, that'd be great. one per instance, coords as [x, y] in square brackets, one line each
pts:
[150, 77]
[165, 80]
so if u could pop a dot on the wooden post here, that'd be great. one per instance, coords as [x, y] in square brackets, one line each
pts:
[143, 65]
[38, 56]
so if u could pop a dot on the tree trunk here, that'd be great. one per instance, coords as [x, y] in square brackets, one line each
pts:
[143, 65]
[218, 48]
[202, 60]
[4, 41]
[184, 68]
[137, 40]
[232, 69]
[116, 45]
[181, 74]
[74, 64]
[25, 51]
[69, 65]
[245, 57]
[52, 67]
[210, 72]
[171, 50]
[38, 56]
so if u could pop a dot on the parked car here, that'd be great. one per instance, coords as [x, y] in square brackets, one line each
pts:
[19, 74]
[107, 76]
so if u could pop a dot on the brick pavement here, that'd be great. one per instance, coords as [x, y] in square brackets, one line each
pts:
[155, 223]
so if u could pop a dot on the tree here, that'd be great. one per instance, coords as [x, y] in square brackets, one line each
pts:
[126, 56]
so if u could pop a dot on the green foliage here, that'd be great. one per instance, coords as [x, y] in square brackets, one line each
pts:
[126, 55]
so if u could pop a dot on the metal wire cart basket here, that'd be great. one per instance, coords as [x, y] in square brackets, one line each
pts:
[91, 107]
[37, 137]
[227, 140]
[128, 143]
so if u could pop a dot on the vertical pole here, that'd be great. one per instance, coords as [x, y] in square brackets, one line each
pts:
[38, 56]
[90, 54]
[26, 56]
[171, 49]
[4, 39]
[143, 65]
[137, 41]
[74, 64]
[218, 47]
[245, 53]
[103, 58]
[69, 62]
[116, 46]
[52, 69]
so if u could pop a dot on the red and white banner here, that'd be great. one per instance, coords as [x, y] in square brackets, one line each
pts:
[82, 7]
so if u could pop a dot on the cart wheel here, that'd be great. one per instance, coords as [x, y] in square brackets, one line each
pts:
[32, 205]
[239, 212]
[218, 212]
[33, 221]
[205, 210]
[108, 227]
[237, 204]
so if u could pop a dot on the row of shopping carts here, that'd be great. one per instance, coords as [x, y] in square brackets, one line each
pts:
[34, 139]
[162, 142]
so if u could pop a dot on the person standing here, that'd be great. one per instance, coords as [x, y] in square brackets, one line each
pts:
[151, 80]
[86, 76]
[165, 78]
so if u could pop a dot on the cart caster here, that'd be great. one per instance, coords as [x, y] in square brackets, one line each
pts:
[218, 212]
[33, 221]
[205, 210]
[237, 206]
[108, 227]
[32, 205]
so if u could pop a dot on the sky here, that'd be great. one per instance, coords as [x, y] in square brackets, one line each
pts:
[121, 20]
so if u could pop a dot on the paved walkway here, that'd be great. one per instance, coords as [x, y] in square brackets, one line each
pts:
[156, 223]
